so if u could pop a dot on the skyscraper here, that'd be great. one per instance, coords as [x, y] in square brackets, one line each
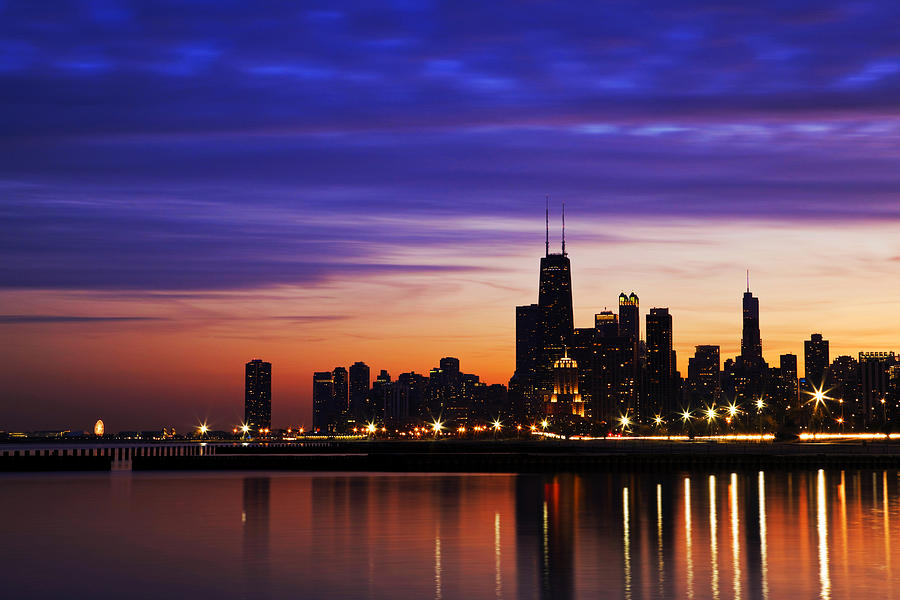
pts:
[606, 324]
[360, 380]
[555, 292]
[555, 301]
[553, 316]
[815, 351]
[341, 390]
[751, 341]
[704, 376]
[613, 382]
[323, 402]
[528, 337]
[258, 395]
[660, 364]
[874, 385]
[629, 317]
[565, 398]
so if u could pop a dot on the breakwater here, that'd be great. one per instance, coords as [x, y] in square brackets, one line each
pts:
[488, 456]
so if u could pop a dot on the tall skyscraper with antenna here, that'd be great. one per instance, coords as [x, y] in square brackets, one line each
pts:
[544, 331]
[555, 294]
[751, 341]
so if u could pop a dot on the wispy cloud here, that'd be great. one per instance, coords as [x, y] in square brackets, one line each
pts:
[18, 319]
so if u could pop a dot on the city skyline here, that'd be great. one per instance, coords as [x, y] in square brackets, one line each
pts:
[322, 186]
[294, 405]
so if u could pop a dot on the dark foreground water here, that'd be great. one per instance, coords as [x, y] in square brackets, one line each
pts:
[804, 534]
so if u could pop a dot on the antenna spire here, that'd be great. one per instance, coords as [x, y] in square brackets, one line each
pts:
[547, 223]
[564, 227]
[748, 281]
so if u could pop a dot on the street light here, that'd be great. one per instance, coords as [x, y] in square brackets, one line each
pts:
[760, 405]
[819, 396]
[711, 414]
[624, 422]
[436, 427]
[203, 429]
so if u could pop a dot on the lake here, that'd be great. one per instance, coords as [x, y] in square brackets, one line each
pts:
[778, 534]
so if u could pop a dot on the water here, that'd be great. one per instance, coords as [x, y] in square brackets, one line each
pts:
[806, 534]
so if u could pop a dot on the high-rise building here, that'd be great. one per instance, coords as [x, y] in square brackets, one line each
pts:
[408, 400]
[582, 351]
[258, 395]
[789, 372]
[555, 300]
[874, 386]
[341, 390]
[381, 394]
[704, 377]
[533, 381]
[744, 379]
[751, 341]
[324, 408]
[565, 398]
[614, 385]
[629, 316]
[660, 365]
[815, 353]
[528, 338]
[606, 324]
[360, 381]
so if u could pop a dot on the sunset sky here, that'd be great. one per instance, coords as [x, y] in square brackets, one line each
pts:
[186, 186]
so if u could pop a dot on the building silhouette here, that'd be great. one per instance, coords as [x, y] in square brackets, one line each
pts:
[565, 398]
[629, 317]
[325, 410]
[704, 377]
[874, 387]
[659, 399]
[543, 331]
[341, 390]
[258, 395]
[360, 379]
[815, 354]
[751, 340]
[613, 381]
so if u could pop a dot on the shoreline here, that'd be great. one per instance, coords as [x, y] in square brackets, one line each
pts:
[505, 456]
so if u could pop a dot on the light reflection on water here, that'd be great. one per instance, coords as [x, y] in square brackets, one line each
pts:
[804, 534]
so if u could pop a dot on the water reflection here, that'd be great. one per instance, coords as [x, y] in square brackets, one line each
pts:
[255, 534]
[689, 551]
[763, 551]
[822, 528]
[713, 543]
[735, 536]
[626, 542]
[806, 534]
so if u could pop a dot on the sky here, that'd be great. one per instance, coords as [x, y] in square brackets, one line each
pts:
[185, 186]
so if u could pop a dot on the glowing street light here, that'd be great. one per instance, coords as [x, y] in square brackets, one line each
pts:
[685, 416]
[437, 426]
[624, 422]
[711, 414]
[733, 410]
[760, 404]
[371, 428]
[658, 420]
[545, 423]
[203, 429]
[496, 425]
